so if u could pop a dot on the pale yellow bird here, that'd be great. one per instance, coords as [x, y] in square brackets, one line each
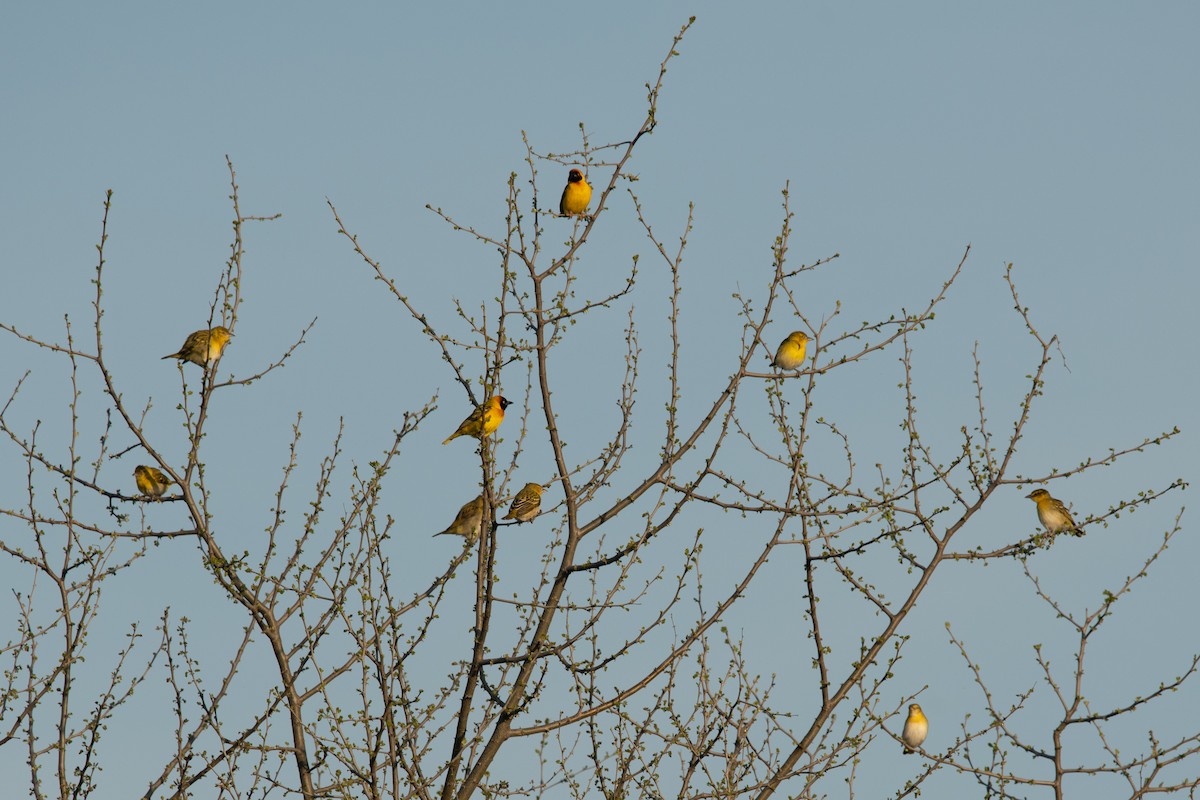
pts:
[1052, 513]
[791, 352]
[483, 420]
[576, 194]
[150, 481]
[204, 347]
[468, 521]
[527, 504]
[916, 728]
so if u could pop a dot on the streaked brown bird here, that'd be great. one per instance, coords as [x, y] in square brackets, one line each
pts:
[1052, 513]
[527, 504]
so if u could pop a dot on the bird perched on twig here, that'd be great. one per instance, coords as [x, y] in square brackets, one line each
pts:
[468, 521]
[483, 421]
[791, 352]
[916, 728]
[527, 504]
[576, 195]
[203, 347]
[150, 481]
[1052, 513]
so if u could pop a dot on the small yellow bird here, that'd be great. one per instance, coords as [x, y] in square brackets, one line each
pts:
[791, 352]
[576, 195]
[483, 420]
[203, 347]
[468, 521]
[527, 504]
[916, 728]
[150, 481]
[1052, 513]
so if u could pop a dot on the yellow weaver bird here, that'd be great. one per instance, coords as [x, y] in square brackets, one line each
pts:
[150, 481]
[576, 195]
[468, 521]
[1052, 513]
[204, 347]
[527, 504]
[483, 420]
[916, 728]
[791, 352]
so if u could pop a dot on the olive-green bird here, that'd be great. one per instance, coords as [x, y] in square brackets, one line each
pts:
[150, 481]
[468, 521]
[204, 346]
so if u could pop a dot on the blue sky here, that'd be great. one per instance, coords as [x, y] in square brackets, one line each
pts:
[1060, 138]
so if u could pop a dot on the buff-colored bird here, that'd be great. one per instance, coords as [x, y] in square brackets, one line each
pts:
[468, 521]
[204, 347]
[483, 421]
[150, 481]
[916, 728]
[1052, 513]
[791, 352]
[576, 195]
[527, 504]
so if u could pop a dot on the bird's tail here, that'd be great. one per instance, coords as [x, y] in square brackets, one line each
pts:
[449, 440]
[173, 355]
[471, 537]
